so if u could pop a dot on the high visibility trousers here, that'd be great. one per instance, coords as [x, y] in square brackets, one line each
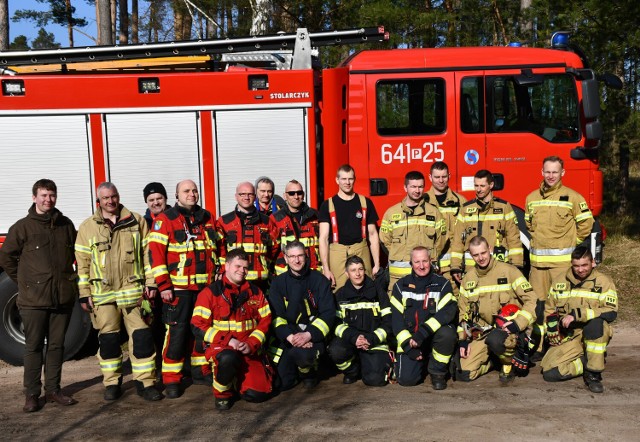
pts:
[372, 365]
[438, 349]
[179, 340]
[541, 279]
[338, 255]
[249, 375]
[497, 343]
[585, 351]
[106, 318]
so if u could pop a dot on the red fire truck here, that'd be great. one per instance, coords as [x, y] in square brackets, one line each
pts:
[224, 111]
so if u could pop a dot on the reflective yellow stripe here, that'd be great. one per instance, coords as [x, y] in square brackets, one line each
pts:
[583, 216]
[198, 361]
[82, 249]
[445, 300]
[403, 336]
[397, 304]
[577, 363]
[440, 357]
[257, 333]
[220, 387]
[381, 334]
[344, 365]
[264, 311]
[321, 325]
[433, 324]
[550, 203]
[202, 311]
[340, 329]
[249, 324]
[143, 367]
[595, 347]
[277, 322]
[111, 364]
[158, 237]
[168, 367]
[210, 334]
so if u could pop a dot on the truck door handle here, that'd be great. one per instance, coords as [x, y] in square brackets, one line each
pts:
[378, 186]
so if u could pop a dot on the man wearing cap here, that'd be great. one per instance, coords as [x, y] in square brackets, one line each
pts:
[155, 196]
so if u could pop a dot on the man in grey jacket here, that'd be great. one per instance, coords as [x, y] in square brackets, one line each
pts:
[38, 255]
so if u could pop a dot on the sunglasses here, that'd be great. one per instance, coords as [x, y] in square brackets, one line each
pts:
[295, 192]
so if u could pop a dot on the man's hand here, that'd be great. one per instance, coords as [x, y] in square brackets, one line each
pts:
[150, 292]
[329, 275]
[86, 304]
[362, 343]
[300, 339]
[243, 348]
[567, 320]
[167, 295]
[235, 344]
[375, 270]
[511, 327]
[413, 343]
[464, 350]
[457, 277]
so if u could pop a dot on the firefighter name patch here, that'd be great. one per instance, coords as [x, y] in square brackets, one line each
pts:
[157, 225]
[526, 286]
[560, 286]
[503, 281]
[497, 210]
[584, 207]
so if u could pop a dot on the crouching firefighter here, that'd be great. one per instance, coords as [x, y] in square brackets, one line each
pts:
[182, 245]
[304, 312]
[359, 348]
[232, 318]
[497, 306]
[424, 313]
[578, 311]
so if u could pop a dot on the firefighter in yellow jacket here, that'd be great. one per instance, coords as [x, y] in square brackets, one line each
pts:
[578, 311]
[411, 223]
[449, 203]
[113, 275]
[491, 218]
[558, 219]
[496, 306]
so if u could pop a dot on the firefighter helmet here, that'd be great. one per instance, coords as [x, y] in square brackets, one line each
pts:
[505, 314]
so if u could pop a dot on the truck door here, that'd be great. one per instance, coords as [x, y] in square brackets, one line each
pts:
[471, 137]
[410, 125]
[530, 115]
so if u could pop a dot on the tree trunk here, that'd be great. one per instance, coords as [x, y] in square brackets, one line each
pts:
[4, 25]
[103, 20]
[123, 15]
[114, 17]
[134, 21]
[526, 25]
[69, 17]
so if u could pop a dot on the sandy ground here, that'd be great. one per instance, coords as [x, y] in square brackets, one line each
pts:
[529, 409]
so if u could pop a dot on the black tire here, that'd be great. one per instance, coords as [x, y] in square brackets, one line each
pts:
[12, 334]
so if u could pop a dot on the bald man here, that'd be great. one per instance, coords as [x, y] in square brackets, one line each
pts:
[182, 245]
[252, 230]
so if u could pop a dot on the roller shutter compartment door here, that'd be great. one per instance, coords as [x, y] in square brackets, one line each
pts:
[160, 147]
[49, 146]
[252, 143]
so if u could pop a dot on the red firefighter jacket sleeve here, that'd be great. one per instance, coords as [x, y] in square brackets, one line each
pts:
[158, 241]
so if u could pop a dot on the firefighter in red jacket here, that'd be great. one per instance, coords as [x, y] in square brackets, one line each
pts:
[182, 245]
[232, 317]
[297, 221]
[251, 230]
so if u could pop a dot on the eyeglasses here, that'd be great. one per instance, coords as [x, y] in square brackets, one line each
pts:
[295, 192]
[246, 194]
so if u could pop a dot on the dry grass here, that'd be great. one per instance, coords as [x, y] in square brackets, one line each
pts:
[622, 264]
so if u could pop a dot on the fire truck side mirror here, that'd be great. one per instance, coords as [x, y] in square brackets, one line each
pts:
[498, 181]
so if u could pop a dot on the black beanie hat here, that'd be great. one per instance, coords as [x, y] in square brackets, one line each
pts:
[154, 188]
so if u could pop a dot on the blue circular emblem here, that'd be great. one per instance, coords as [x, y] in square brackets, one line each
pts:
[471, 157]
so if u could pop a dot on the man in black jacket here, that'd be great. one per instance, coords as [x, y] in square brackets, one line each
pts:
[360, 348]
[424, 314]
[303, 313]
[38, 255]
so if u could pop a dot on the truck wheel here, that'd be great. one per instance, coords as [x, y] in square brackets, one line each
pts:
[12, 334]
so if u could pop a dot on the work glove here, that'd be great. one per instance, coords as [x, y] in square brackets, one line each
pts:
[513, 328]
[520, 359]
[414, 354]
[553, 330]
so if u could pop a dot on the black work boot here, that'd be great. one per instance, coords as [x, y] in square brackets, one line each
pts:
[173, 390]
[593, 381]
[438, 381]
[223, 403]
[149, 393]
[112, 392]
[506, 375]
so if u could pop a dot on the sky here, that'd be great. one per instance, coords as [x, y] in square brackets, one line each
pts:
[29, 29]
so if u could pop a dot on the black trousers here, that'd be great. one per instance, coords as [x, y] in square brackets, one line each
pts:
[371, 365]
[39, 324]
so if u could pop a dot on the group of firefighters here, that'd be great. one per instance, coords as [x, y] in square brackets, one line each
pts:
[252, 300]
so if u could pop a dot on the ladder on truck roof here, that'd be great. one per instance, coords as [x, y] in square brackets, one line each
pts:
[300, 43]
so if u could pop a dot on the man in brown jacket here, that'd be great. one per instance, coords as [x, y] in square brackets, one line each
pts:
[38, 255]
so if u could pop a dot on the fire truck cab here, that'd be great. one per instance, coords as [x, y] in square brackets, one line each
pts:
[225, 111]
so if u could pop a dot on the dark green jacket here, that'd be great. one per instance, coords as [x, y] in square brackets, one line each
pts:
[38, 255]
